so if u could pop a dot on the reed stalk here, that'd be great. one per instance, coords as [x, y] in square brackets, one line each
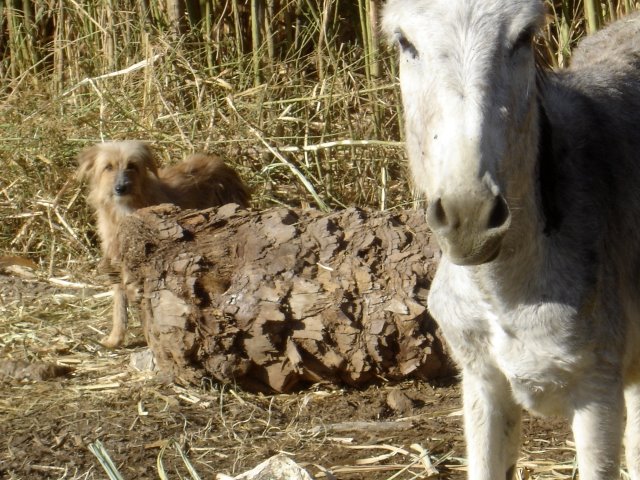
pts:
[270, 34]
[611, 8]
[235, 7]
[322, 39]
[592, 15]
[257, 20]
[297, 22]
[628, 6]
[373, 37]
[176, 12]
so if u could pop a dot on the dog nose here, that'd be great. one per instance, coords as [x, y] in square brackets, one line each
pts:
[123, 184]
[122, 188]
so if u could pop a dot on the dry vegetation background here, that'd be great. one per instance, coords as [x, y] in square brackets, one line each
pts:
[299, 95]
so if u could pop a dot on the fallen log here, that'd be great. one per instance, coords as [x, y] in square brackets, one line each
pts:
[278, 299]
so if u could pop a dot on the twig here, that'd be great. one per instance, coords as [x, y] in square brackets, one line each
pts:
[275, 152]
[342, 143]
[124, 71]
[363, 426]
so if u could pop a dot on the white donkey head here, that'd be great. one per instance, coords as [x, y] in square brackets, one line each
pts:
[467, 75]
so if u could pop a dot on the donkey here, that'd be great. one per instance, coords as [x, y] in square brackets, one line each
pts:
[533, 187]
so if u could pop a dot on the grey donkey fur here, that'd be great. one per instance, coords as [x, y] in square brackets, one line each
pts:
[533, 187]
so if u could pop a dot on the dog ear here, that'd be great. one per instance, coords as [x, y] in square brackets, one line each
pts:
[148, 158]
[87, 161]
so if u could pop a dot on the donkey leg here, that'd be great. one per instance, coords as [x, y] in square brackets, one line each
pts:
[119, 327]
[597, 429]
[492, 426]
[632, 434]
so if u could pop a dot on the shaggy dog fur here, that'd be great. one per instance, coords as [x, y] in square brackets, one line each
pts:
[123, 177]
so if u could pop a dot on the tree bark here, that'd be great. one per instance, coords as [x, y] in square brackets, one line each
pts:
[278, 299]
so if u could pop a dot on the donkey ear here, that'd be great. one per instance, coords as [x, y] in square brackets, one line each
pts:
[148, 158]
[87, 161]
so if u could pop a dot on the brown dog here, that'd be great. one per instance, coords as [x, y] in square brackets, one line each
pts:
[123, 177]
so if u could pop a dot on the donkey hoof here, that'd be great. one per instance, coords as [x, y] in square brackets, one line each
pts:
[111, 342]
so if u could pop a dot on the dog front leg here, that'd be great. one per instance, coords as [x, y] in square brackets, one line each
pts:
[119, 327]
[492, 425]
[597, 428]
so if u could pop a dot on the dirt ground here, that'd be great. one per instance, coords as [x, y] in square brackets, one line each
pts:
[48, 428]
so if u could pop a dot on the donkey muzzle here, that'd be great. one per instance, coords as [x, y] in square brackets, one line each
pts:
[469, 228]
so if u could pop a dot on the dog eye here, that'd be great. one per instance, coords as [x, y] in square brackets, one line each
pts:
[406, 46]
[108, 167]
[132, 166]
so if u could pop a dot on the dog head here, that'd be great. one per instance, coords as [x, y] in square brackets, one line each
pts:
[117, 173]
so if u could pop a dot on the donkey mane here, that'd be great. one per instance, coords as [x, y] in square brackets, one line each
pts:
[547, 174]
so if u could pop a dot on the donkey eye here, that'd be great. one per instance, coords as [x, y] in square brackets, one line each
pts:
[407, 47]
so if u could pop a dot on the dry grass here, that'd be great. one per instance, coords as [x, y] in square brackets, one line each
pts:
[317, 124]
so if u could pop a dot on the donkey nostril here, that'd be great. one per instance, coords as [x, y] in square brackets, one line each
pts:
[437, 214]
[499, 213]
[445, 216]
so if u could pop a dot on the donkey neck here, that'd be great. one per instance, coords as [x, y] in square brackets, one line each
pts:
[535, 216]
